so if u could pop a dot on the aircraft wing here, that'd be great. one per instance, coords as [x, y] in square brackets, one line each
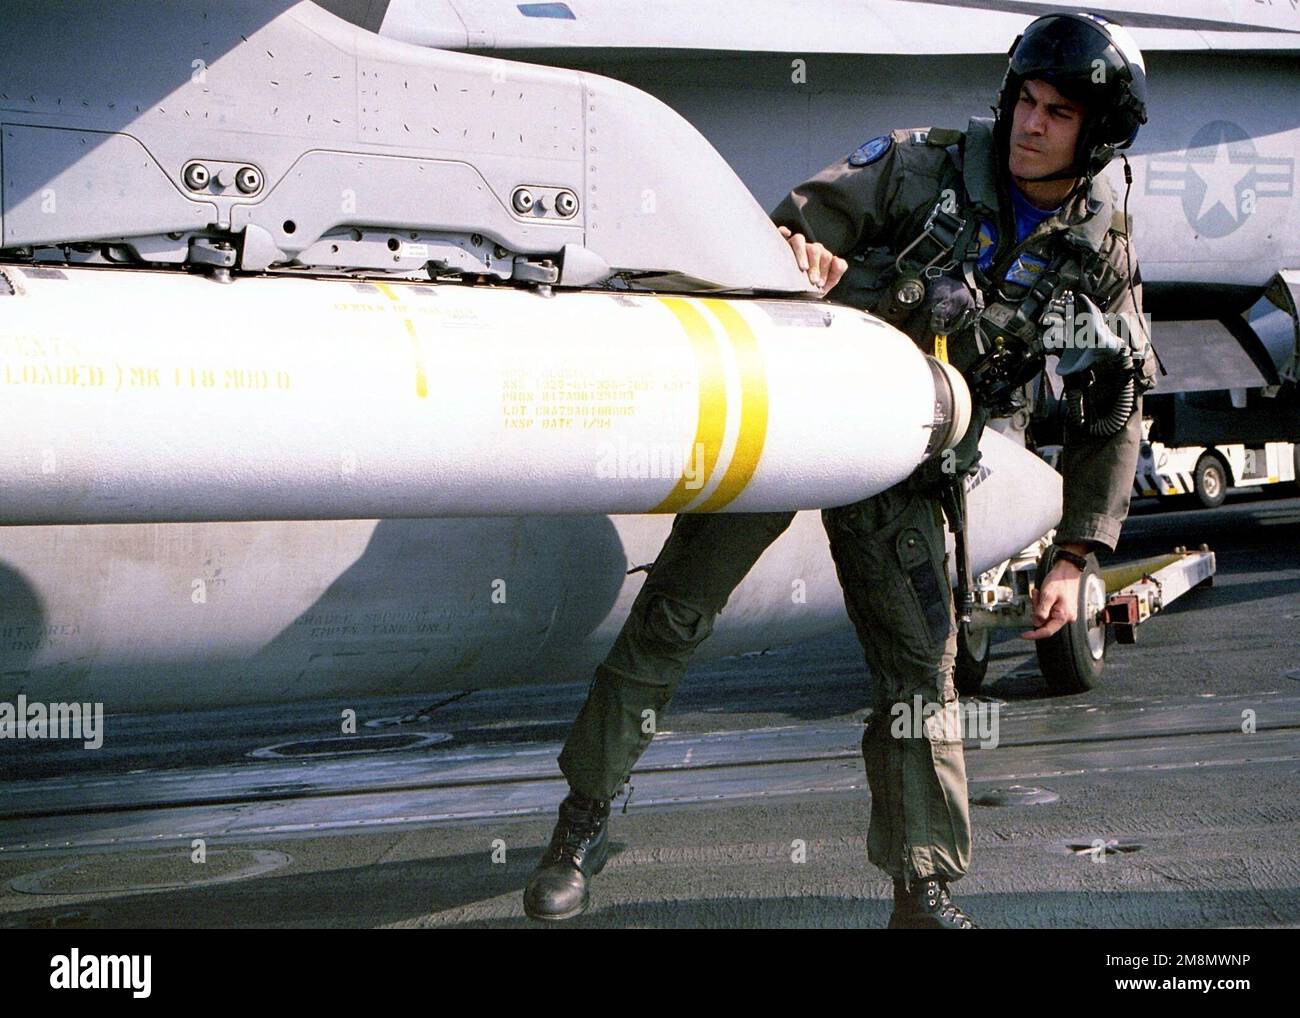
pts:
[920, 27]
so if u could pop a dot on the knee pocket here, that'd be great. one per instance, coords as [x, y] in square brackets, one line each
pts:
[943, 727]
[674, 625]
[896, 548]
[917, 560]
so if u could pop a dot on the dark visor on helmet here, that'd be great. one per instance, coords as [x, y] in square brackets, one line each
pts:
[1043, 52]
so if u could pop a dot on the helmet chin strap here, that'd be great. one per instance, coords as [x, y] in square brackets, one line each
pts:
[1017, 181]
[1084, 182]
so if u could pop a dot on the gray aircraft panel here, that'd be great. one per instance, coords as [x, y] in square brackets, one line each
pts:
[340, 129]
[1204, 15]
[912, 27]
[1202, 356]
[1213, 199]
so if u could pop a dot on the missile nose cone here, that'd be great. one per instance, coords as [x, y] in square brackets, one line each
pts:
[952, 407]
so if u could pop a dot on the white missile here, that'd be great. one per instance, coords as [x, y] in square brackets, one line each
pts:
[143, 396]
[1014, 498]
[144, 617]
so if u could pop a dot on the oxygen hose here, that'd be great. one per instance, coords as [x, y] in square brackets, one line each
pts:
[1120, 410]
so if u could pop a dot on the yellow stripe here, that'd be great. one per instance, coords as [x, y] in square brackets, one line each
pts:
[712, 422]
[1120, 576]
[753, 407]
[421, 381]
[941, 346]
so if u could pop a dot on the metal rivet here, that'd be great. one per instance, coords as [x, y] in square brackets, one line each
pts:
[248, 180]
[523, 200]
[197, 176]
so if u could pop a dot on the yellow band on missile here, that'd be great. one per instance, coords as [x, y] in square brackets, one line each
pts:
[712, 424]
[421, 381]
[753, 407]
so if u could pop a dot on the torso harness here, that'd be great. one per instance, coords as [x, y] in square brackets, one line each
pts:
[996, 345]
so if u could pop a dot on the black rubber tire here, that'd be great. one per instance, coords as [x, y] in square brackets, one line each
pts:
[972, 661]
[1211, 480]
[1069, 660]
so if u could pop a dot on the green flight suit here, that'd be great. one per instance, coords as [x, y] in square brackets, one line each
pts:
[888, 549]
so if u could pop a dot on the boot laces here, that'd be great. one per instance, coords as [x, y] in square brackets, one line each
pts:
[579, 822]
[948, 909]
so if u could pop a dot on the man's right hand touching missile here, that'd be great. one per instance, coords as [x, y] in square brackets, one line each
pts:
[823, 267]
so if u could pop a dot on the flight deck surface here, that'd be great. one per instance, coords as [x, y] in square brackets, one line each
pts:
[1166, 795]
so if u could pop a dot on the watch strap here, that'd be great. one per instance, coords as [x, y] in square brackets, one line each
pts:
[1064, 554]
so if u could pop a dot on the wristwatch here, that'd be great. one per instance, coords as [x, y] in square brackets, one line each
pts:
[1056, 553]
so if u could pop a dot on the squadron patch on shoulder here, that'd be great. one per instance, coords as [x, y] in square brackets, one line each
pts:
[869, 151]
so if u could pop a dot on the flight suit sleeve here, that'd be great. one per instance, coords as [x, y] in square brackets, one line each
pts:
[844, 206]
[1098, 472]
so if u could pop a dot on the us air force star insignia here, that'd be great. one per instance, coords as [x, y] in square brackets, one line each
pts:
[869, 151]
[1220, 177]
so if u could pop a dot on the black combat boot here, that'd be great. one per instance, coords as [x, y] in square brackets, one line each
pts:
[927, 907]
[578, 851]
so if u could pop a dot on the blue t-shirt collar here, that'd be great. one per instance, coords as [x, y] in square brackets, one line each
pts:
[1028, 215]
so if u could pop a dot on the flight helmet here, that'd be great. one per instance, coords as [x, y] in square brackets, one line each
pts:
[1092, 61]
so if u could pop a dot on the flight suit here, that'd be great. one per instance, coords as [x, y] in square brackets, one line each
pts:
[888, 549]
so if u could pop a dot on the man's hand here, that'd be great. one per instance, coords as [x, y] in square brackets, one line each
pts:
[1056, 602]
[823, 267]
